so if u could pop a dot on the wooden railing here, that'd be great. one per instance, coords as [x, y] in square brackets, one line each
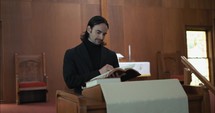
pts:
[197, 74]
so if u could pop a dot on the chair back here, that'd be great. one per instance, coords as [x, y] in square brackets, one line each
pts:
[30, 68]
[169, 64]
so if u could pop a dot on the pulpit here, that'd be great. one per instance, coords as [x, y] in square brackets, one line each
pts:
[92, 100]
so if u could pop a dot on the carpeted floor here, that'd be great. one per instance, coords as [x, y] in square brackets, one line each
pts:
[47, 107]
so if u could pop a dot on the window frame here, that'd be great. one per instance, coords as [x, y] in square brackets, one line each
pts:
[210, 47]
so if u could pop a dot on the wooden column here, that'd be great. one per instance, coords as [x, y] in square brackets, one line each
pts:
[104, 13]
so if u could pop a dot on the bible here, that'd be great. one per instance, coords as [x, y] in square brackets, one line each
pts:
[95, 82]
[123, 74]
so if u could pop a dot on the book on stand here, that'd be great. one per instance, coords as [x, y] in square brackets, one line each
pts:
[108, 77]
[124, 74]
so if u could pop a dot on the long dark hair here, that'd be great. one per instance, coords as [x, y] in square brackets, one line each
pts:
[92, 22]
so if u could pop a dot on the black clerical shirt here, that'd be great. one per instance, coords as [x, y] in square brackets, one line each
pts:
[94, 53]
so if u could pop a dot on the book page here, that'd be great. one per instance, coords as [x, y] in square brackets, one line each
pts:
[105, 75]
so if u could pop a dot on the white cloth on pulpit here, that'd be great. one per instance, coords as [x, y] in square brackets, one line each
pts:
[151, 96]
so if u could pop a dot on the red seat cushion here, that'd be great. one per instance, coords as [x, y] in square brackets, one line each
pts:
[32, 84]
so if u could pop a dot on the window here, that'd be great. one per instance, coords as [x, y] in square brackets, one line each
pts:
[197, 53]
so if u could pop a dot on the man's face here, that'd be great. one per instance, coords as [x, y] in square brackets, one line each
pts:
[97, 33]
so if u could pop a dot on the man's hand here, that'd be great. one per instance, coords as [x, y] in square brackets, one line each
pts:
[106, 68]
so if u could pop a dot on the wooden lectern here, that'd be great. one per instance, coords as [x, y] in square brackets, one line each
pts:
[92, 100]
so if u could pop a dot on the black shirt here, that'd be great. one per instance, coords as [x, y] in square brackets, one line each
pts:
[94, 53]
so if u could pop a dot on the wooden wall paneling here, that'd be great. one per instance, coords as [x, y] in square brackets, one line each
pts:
[190, 17]
[89, 8]
[213, 45]
[172, 30]
[116, 27]
[15, 17]
[1, 62]
[143, 31]
[64, 29]
[33, 26]
[104, 9]
[84, 14]
[148, 36]
[198, 16]
[199, 4]
[129, 25]
[149, 3]
[116, 3]
[104, 13]
[213, 39]
[204, 17]
[1, 59]
[213, 56]
[53, 28]
[173, 3]
[173, 25]
[9, 78]
[9, 20]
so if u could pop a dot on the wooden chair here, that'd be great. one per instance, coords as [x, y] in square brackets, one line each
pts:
[169, 66]
[31, 78]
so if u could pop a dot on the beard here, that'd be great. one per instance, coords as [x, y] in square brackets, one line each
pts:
[99, 41]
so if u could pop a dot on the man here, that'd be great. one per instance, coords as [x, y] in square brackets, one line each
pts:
[90, 58]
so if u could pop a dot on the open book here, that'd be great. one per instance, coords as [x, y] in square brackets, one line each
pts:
[124, 74]
[101, 81]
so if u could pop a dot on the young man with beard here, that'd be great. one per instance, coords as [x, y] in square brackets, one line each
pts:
[90, 58]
